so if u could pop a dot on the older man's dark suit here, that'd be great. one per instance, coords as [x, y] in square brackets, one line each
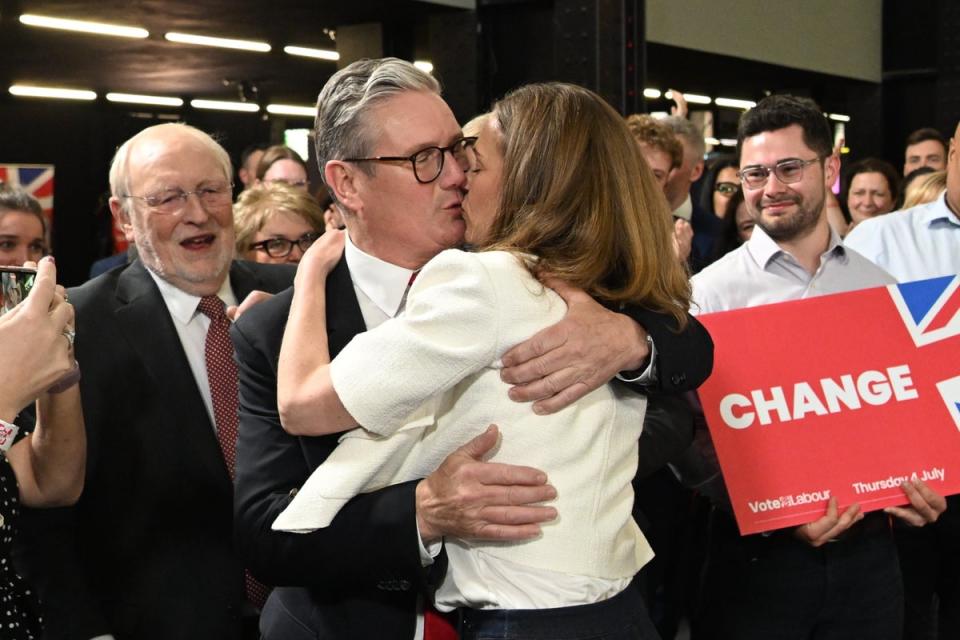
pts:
[148, 552]
[363, 572]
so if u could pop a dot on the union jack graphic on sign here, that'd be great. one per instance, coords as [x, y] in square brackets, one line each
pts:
[930, 309]
[36, 179]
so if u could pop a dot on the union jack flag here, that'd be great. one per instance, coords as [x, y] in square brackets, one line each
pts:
[35, 179]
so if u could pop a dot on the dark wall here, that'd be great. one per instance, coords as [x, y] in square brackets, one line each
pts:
[80, 139]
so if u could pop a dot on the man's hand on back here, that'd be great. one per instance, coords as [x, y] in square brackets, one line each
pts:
[562, 363]
[471, 499]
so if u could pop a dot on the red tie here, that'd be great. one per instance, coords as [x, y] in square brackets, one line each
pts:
[438, 625]
[222, 376]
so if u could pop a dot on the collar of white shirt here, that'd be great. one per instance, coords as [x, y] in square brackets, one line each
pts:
[383, 283]
[938, 210]
[183, 305]
[685, 210]
[763, 248]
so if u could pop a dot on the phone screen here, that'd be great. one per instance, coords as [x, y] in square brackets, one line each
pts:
[15, 284]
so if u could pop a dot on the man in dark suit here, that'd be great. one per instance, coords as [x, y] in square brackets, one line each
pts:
[362, 576]
[147, 553]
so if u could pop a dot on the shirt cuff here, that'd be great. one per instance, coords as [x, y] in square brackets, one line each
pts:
[428, 552]
[648, 375]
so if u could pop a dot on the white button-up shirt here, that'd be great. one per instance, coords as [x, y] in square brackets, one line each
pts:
[913, 244]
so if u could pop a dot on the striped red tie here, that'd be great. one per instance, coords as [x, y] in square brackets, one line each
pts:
[222, 376]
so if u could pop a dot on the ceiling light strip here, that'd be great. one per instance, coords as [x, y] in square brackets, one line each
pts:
[735, 103]
[307, 52]
[133, 98]
[223, 105]
[27, 91]
[82, 26]
[291, 110]
[224, 43]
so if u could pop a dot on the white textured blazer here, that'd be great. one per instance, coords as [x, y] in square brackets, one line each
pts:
[426, 382]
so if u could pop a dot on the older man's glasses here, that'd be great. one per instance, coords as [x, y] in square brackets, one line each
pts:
[787, 171]
[428, 162]
[172, 201]
[281, 247]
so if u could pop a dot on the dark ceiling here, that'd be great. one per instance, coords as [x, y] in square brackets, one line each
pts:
[52, 57]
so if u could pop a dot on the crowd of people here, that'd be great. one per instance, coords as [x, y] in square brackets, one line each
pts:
[450, 391]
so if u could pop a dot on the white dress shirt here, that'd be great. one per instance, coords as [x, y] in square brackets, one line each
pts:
[913, 244]
[191, 326]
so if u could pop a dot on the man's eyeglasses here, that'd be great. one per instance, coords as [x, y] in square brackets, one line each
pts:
[726, 188]
[787, 171]
[428, 162]
[171, 201]
[281, 247]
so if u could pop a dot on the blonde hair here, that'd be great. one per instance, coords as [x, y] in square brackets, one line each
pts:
[649, 131]
[925, 189]
[258, 204]
[578, 195]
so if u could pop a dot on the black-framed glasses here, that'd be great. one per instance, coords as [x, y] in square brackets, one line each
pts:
[787, 171]
[726, 188]
[281, 247]
[171, 201]
[428, 162]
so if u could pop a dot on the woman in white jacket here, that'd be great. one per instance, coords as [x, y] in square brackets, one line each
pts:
[559, 190]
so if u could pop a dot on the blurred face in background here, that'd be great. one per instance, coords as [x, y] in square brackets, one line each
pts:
[21, 238]
[744, 222]
[929, 153]
[659, 161]
[287, 171]
[727, 184]
[869, 196]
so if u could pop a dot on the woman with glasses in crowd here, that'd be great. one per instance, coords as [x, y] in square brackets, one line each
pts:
[43, 468]
[557, 189]
[720, 183]
[276, 223]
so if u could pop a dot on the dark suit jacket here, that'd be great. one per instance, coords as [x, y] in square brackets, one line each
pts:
[362, 572]
[147, 553]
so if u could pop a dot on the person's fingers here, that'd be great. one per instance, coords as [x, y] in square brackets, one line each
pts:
[569, 293]
[928, 503]
[907, 514]
[542, 388]
[488, 531]
[520, 364]
[481, 445]
[814, 530]
[517, 515]
[44, 287]
[254, 298]
[563, 399]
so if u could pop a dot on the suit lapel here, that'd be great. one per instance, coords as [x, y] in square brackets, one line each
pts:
[344, 319]
[143, 316]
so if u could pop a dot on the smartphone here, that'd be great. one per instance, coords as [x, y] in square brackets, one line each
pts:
[15, 284]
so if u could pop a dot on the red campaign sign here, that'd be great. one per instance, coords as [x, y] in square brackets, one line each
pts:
[844, 395]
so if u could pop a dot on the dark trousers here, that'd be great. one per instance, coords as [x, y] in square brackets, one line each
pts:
[777, 586]
[622, 617]
[930, 563]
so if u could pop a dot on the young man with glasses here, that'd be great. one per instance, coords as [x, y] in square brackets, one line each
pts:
[792, 583]
[394, 158]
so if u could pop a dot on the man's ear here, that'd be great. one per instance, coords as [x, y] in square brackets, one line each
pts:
[697, 171]
[831, 169]
[341, 178]
[122, 216]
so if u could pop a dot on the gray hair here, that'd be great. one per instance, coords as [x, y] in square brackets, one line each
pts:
[16, 199]
[341, 126]
[120, 173]
[689, 133]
